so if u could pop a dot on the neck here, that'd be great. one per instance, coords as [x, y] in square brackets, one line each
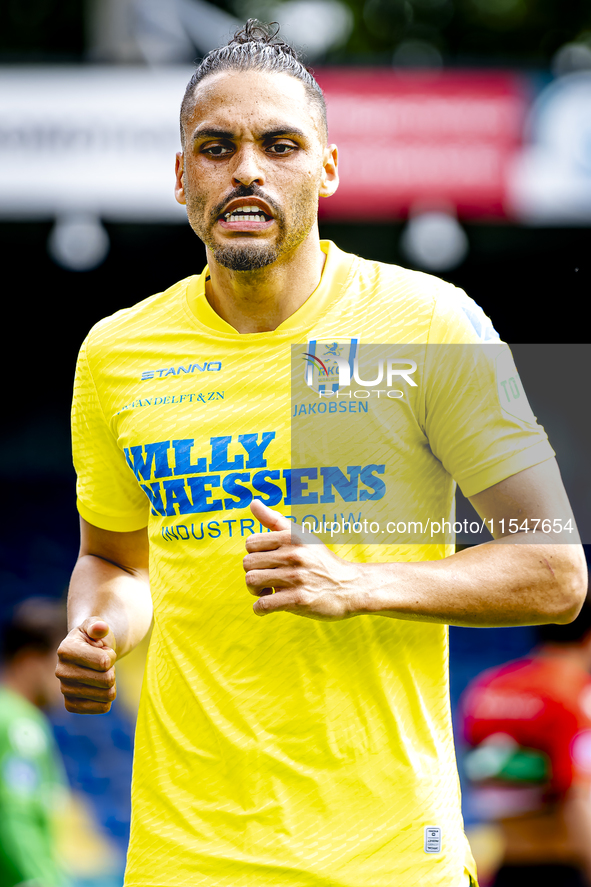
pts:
[259, 301]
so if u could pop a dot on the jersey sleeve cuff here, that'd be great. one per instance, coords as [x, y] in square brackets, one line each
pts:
[116, 523]
[482, 480]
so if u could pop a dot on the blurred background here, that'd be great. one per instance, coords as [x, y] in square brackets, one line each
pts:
[465, 135]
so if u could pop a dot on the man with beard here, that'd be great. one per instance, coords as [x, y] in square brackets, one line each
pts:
[287, 751]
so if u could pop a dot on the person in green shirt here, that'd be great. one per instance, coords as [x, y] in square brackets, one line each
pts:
[32, 782]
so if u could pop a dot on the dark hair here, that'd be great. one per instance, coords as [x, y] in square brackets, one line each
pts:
[255, 48]
[37, 624]
[567, 634]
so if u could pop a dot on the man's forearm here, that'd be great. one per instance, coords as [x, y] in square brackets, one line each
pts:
[499, 583]
[119, 597]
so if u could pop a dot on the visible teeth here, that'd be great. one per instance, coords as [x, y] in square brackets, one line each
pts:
[245, 210]
[246, 213]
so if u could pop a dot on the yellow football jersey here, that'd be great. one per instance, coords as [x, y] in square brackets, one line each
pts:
[283, 750]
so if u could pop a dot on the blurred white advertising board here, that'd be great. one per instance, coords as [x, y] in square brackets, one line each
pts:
[101, 141]
[98, 140]
[551, 178]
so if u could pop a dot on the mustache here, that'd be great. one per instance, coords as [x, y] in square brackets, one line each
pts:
[247, 191]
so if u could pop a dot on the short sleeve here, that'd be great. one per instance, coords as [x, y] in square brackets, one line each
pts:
[108, 495]
[477, 417]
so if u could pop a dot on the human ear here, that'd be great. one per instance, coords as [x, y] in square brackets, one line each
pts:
[329, 181]
[179, 187]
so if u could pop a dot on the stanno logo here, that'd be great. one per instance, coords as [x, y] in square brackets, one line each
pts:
[210, 366]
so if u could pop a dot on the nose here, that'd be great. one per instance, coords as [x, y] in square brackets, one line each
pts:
[248, 167]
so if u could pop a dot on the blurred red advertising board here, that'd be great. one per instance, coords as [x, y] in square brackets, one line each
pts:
[417, 140]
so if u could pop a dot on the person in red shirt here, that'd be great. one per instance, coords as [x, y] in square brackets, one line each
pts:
[528, 725]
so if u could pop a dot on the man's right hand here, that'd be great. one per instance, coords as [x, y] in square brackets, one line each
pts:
[85, 668]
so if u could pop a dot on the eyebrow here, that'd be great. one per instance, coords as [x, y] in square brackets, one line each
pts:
[212, 133]
[276, 132]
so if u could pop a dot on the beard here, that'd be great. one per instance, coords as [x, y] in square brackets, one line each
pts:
[256, 254]
[245, 258]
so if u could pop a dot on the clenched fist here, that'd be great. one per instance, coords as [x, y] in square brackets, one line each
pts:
[85, 668]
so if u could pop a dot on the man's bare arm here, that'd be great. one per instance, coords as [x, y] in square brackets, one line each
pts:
[109, 612]
[524, 579]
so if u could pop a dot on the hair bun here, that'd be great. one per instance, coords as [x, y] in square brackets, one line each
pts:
[255, 31]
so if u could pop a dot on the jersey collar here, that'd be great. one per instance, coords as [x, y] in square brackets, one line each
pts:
[336, 274]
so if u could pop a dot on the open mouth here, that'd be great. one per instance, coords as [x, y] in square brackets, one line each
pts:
[246, 214]
[246, 218]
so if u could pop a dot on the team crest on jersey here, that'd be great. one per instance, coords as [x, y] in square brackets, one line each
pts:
[328, 365]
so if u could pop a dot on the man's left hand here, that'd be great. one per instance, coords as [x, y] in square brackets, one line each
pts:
[309, 580]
